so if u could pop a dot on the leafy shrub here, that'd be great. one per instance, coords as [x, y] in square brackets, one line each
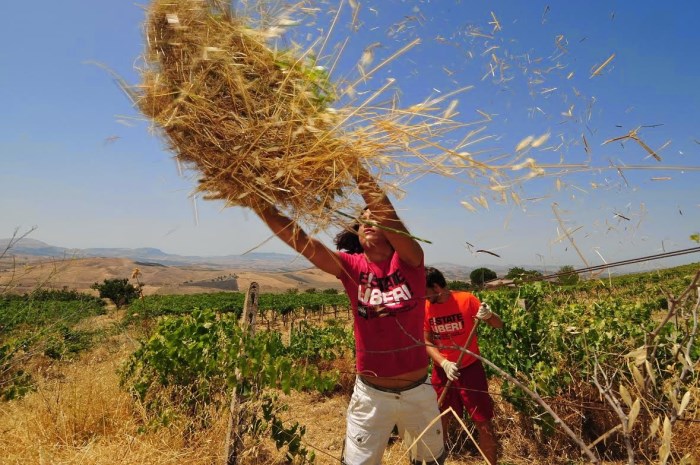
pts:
[479, 276]
[62, 295]
[157, 305]
[559, 341]
[459, 286]
[200, 353]
[314, 343]
[14, 381]
[40, 322]
[191, 362]
[120, 291]
[38, 311]
[66, 342]
[567, 275]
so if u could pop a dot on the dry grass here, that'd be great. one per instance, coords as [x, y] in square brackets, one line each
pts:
[79, 415]
[251, 114]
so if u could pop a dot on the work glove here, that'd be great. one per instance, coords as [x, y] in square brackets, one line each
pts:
[484, 312]
[451, 369]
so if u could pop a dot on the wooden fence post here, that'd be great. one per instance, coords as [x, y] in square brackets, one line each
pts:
[250, 308]
[234, 432]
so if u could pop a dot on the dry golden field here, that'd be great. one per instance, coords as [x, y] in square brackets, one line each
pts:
[27, 273]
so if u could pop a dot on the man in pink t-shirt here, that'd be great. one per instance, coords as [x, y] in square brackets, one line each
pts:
[381, 267]
[450, 317]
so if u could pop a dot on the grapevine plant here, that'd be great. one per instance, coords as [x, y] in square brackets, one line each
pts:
[565, 344]
[192, 362]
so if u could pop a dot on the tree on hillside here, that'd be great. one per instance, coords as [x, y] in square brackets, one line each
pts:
[119, 291]
[567, 275]
[459, 286]
[520, 274]
[479, 276]
[515, 273]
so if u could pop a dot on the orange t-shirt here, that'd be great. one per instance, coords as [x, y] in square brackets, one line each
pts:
[450, 323]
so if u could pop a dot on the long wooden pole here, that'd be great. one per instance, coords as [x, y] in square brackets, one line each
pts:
[470, 338]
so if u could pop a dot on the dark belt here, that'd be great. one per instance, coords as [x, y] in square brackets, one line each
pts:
[413, 385]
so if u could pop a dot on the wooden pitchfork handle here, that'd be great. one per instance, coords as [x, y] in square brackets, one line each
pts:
[459, 359]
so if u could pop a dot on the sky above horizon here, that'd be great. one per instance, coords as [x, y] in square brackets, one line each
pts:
[81, 165]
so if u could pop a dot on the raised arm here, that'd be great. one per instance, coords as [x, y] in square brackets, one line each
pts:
[314, 250]
[408, 249]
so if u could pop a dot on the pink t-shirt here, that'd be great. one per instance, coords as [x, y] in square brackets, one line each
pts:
[388, 303]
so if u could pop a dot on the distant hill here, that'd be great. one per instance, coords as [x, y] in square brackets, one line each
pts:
[251, 261]
[255, 261]
[61, 267]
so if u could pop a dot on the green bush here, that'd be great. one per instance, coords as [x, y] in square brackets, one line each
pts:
[66, 342]
[120, 291]
[459, 286]
[157, 305]
[193, 361]
[200, 353]
[40, 322]
[41, 310]
[479, 276]
[315, 343]
[567, 276]
[14, 381]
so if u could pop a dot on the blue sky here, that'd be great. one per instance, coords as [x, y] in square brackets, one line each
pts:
[80, 164]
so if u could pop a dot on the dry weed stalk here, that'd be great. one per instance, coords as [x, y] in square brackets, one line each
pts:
[9, 283]
[644, 382]
[633, 136]
[541, 402]
[627, 420]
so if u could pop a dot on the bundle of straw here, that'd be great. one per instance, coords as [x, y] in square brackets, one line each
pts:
[252, 121]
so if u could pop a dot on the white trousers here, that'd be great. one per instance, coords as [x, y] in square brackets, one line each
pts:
[371, 417]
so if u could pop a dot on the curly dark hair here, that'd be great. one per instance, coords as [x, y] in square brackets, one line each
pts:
[348, 241]
[434, 276]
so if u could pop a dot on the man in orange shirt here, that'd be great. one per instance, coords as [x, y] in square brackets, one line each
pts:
[449, 319]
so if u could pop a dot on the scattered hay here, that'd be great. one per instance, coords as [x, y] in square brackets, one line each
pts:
[255, 122]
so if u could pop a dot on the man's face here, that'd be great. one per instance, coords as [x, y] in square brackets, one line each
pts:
[432, 294]
[369, 234]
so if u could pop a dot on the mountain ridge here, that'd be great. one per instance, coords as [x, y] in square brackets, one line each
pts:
[258, 261]
[261, 261]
